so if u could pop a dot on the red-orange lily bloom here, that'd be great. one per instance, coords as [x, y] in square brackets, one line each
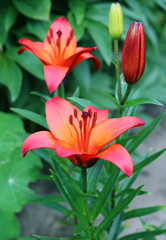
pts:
[59, 52]
[81, 136]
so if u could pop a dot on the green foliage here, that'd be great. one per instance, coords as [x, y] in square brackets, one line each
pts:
[9, 227]
[109, 193]
[38, 9]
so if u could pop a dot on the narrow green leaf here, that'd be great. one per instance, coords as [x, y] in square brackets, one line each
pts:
[143, 100]
[82, 102]
[46, 238]
[94, 175]
[144, 133]
[79, 238]
[43, 96]
[142, 212]
[143, 235]
[38, 9]
[144, 163]
[112, 98]
[148, 160]
[34, 117]
[116, 211]
[70, 190]
[100, 201]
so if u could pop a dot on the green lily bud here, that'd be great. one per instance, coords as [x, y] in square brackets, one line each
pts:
[115, 21]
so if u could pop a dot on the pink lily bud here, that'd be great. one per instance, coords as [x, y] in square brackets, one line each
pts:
[133, 54]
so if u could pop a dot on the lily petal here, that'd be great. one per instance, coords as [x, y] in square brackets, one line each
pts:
[42, 139]
[108, 130]
[101, 114]
[54, 75]
[119, 156]
[36, 48]
[61, 24]
[58, 111]
[79, 56]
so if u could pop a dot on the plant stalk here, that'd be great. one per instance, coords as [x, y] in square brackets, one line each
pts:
[84, 183]
[117, 69]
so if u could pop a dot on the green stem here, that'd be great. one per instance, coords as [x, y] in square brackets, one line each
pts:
[84, 183]
[129, 86]
[61, 91]
[117, 69]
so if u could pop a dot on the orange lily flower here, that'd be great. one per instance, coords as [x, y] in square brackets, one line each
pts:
[81, 136]
[59, 52]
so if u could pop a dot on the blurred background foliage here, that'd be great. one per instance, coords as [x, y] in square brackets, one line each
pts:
[22, 74]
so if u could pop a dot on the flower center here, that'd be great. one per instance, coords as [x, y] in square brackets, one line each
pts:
[83, 128]
[57, 47]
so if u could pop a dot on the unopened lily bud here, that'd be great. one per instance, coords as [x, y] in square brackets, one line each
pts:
[115, 21]
[133, 54]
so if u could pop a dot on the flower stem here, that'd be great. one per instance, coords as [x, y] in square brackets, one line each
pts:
[129, 86]
[117, 69]
[84, 183]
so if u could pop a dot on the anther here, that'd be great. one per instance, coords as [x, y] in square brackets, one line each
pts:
[58, 42]
[95, 115]
[90, 112]
[59, 33]
[48, 39]
[51, 32]
[68, 41]
[71, 34]
[71, 119]
[75, 112]
[80, 124]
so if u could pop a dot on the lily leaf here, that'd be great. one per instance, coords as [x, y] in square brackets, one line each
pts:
[143, 235]
[143, 100]
[38, 9]
[115, 211]
[142, 212]
[34, 117]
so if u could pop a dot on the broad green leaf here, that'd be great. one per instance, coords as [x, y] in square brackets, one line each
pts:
[9, 226]
[82, 74]
[27, 61]
[98, 12]
[102, 39]
[38, 9]
[143, 100]
[94, 175]
[9, 139]
[116, 211]
[78, 29]
[143, 235]
[100, 201]
[10, 76]
[78, 9]
[34, 117]
[142, 212]
[8, 15]
[15, 175]
[39, 28]
[144, 133]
